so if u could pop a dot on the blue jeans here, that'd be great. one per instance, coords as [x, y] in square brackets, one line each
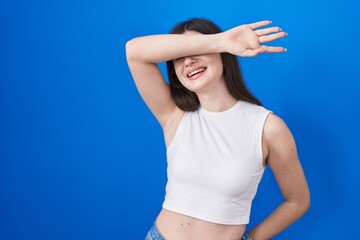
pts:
[154, 233]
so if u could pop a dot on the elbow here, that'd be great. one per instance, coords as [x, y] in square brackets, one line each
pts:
[299, 205]
[307, 203]
[304, 204]
[130, 49]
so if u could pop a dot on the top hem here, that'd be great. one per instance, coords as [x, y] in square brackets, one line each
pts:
[242, 221]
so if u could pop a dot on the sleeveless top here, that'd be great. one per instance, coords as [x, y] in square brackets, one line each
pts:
[215, 163]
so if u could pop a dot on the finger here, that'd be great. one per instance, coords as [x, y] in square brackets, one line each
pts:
[259, 24]
[268, 49]
[272, 37]
[262, 32]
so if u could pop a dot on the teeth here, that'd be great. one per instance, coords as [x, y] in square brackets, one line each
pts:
[196, 71]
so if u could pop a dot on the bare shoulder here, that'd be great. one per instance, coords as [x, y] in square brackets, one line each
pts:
[274, 126]
[278, 139]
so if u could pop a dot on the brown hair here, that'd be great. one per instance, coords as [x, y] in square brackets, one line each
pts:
[188, 100]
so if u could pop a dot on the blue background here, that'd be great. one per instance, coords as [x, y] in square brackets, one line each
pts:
[81, 156]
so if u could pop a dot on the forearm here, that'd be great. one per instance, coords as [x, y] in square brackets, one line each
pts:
[160, 48]
[286, 214]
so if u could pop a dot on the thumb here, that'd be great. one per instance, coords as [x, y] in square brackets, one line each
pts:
[253, 52]
[257, 51]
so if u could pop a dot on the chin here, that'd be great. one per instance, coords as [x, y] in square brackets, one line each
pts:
[197, 88]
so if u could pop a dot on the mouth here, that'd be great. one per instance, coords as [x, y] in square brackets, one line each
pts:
[195, 72]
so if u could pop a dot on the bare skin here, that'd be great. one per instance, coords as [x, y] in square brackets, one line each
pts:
[175, 226]
[279, 148]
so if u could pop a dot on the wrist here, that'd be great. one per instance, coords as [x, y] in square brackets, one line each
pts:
[220, 42]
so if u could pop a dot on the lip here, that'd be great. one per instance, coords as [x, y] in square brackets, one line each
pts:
[194, 69]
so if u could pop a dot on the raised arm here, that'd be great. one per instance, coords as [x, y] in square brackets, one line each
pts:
[144, 53]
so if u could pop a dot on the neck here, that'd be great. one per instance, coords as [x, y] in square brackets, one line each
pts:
[217, 100]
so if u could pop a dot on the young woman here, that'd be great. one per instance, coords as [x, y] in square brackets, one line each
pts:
[218, 136]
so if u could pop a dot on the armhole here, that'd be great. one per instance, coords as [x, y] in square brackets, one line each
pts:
[177, 132]
[262, 121]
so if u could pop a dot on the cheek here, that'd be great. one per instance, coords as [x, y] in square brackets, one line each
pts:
[216, 71]
[179, 75]
[220, 67]
[177, 72]
[216, 65]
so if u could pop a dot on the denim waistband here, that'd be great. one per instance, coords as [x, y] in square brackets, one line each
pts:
[154, 233]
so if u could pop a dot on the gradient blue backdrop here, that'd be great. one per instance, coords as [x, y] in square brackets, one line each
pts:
[81, 156]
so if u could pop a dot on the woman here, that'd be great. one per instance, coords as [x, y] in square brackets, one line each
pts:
[219, 138]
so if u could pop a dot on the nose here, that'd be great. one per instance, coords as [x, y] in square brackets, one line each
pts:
[189, 61]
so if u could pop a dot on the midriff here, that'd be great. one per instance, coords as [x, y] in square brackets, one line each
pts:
[175, 226]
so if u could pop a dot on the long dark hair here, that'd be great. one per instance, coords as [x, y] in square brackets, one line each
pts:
[187, 100]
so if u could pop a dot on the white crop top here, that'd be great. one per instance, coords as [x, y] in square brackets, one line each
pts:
[215, 163]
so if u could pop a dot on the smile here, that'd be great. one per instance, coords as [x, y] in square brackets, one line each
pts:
[195, 71]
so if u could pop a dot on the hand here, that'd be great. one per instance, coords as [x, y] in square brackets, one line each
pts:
[246, 41]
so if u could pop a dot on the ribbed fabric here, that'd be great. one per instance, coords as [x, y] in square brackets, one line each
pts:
[215, 163]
